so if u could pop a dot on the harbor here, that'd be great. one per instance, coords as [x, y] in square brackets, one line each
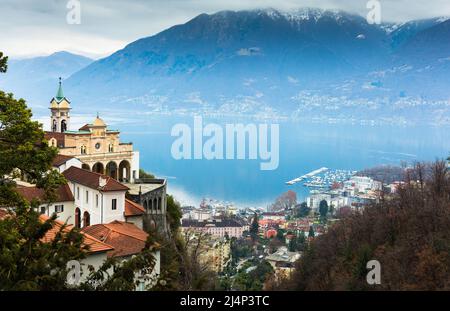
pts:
[323, 178]
[306, 176]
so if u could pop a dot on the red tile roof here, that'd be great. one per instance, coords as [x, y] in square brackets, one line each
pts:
[126, 238]
[133, 209]
[60, 138]
[85, 127]
[94, 244]
[60, 159]
[92, 180]
[63, 193]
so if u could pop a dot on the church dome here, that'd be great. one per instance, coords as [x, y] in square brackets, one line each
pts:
[98, 122]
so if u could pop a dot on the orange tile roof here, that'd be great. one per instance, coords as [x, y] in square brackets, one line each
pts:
[91, 179]
[126, 238]
[63, 193]
[133, 209]
[95, 245]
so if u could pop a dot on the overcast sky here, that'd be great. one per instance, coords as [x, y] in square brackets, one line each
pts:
[39, 27]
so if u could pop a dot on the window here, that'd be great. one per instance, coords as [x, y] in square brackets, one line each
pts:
[83, 149]
[87, 196]
[96, 200]
[63, 126]
[110, 148]
[59, 208]
[42, 209]
[114, 204]
[78, 193]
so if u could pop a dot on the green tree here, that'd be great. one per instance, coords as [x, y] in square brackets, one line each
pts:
[23, 151]
[301, 242]
[143, 174]
[3, 63]
[124, 273]
[311, 233]
[173, 213]
[254, 228]
[254, 279]
[323, 209]
[303, 210]
[280, 235]
[293, 244]
[26, 263]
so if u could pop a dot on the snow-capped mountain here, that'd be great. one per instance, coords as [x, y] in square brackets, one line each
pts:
[307, 61]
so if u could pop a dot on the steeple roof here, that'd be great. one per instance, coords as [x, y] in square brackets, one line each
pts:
[59, 95]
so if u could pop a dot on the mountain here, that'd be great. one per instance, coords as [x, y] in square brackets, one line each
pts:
[307, 63]
[262, 55]
[401, 33]
[32, 77]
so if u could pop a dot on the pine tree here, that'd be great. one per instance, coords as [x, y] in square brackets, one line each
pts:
[323, 208]
[311, 232]
[254, 228]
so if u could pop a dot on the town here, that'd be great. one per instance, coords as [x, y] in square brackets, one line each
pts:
[255, 248]
[117, 206]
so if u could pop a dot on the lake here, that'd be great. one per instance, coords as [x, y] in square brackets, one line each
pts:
[303, 147]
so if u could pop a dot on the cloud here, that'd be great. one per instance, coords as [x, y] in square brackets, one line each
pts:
[40, 27]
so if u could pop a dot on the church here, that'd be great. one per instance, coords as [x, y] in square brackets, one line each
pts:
[95, 145]
[90, 156]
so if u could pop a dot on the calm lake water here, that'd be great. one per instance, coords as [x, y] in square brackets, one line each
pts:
[303, 147]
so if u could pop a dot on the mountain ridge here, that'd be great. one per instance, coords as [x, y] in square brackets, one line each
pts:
[279, 61]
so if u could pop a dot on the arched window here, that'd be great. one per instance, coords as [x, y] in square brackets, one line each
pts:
[54, 125]
[77, 218]
[110, 148]
[63, 126]
[83, 149]
[86, 219]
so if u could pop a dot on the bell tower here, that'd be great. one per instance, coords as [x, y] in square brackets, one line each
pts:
[59, 108]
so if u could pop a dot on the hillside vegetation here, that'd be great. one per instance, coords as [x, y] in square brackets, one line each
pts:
[408, 233]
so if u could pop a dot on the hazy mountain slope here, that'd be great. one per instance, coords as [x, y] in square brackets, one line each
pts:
[307, 62]
[33, 77]
[245, 53]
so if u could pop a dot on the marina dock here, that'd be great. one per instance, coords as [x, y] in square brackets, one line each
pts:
[309, 175]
